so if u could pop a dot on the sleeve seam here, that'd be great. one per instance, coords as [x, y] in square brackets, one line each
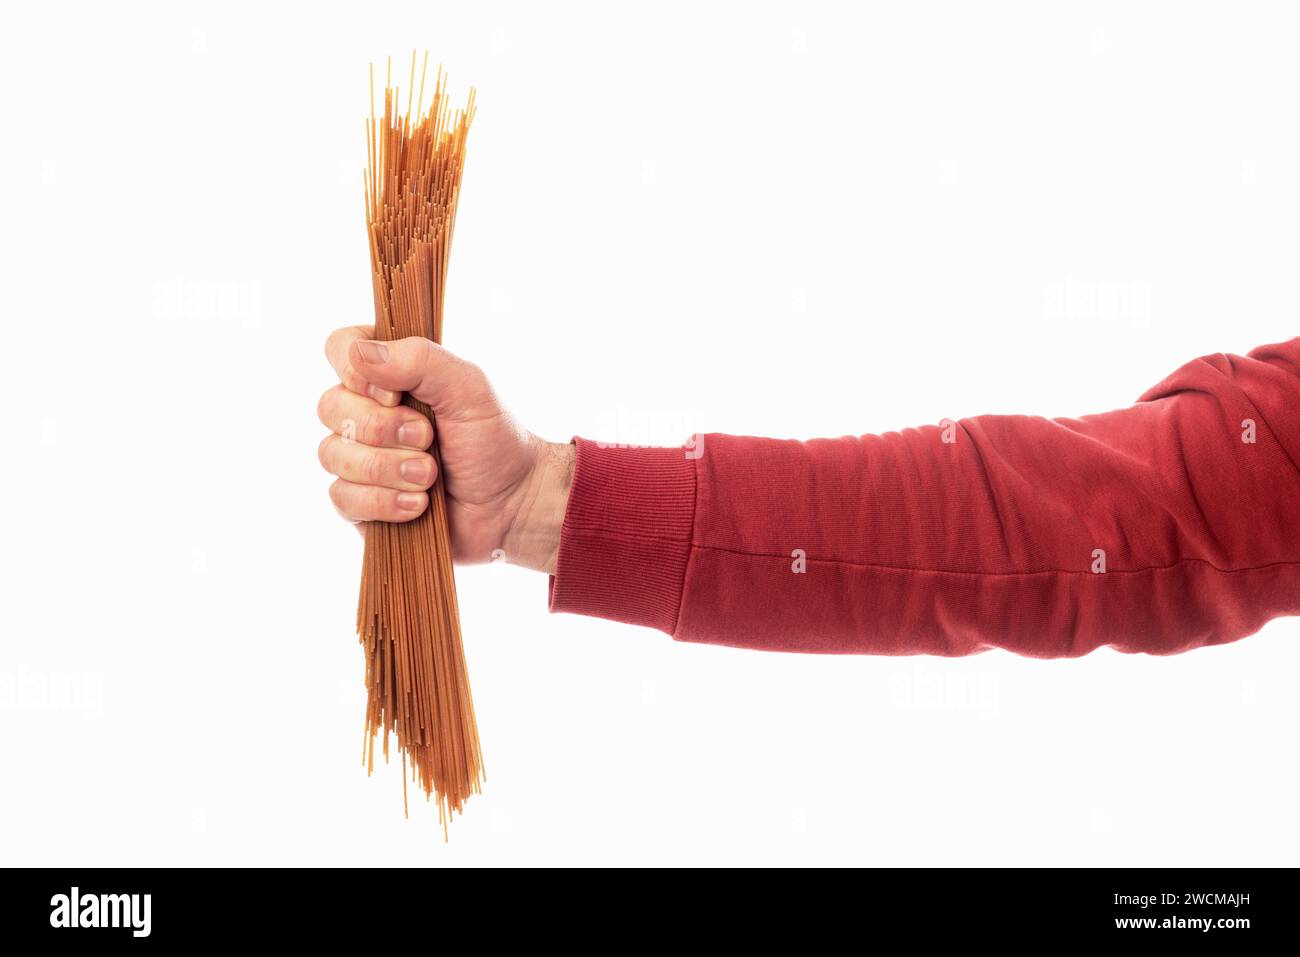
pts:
[1282, 563]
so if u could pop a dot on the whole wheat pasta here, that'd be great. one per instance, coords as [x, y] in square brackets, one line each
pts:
[407, 618]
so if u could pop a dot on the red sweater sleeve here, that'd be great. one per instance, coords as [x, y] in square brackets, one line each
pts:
[1165, 526]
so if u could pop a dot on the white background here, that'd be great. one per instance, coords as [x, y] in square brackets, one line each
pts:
[792, 220]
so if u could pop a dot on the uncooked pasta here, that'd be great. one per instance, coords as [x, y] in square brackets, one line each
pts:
[407, 618]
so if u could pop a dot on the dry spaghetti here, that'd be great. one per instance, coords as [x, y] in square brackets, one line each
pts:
[407, 618]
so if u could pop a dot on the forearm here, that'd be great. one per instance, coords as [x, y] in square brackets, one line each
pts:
[1154, 528]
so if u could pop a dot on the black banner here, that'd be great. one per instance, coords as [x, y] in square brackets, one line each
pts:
[1171, 908]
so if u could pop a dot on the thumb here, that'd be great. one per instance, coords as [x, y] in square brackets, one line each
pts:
[444, 382]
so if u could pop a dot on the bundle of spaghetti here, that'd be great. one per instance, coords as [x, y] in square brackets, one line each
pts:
[407, 617]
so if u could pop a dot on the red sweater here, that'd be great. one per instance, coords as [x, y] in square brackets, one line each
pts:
[1165, 526]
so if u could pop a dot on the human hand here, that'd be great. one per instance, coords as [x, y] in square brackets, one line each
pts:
[506, 488]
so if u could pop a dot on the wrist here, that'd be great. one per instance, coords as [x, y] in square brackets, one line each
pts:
[533, 540]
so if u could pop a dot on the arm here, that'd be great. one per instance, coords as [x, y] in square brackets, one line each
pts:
[1158, 528]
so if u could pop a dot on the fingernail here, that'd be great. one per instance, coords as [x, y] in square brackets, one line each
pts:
[385, 396]
[411, 501]
[373, 352]
[412, 435]
[415, 471]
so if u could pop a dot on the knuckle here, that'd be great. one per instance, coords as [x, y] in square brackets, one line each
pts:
[382, 503]
[347, 431]
[370, 428]
[472, 371]
[353, 382]
[336, 345]
[336, 494]
[372, 468]
[426, 356]
[323, 451]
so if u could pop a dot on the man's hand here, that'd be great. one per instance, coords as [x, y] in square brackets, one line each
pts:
[506, 488]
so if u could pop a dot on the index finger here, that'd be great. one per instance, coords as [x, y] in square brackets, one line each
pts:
[336, 350]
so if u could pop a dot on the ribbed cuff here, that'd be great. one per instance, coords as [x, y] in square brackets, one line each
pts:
[626, 536]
